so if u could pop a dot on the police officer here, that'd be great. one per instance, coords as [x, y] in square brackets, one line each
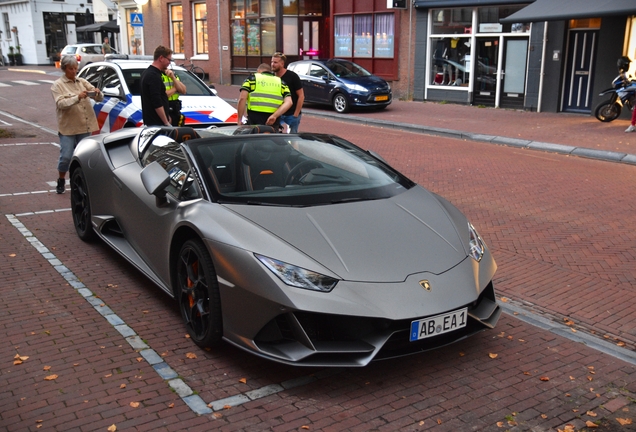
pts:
[266, 98]
[174, 88]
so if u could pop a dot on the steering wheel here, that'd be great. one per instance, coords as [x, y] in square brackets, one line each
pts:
[302, 168]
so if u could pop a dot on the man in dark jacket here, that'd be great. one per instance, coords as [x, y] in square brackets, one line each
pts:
[154, 100]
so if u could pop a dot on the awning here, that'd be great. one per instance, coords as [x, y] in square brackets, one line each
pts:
[107, 26]
[556, 10]
[427, 4]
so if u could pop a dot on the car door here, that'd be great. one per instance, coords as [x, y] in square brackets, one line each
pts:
[115, 100]
[146, 224]
[318, 84]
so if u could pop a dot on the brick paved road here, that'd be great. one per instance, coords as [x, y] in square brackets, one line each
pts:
[551, 221]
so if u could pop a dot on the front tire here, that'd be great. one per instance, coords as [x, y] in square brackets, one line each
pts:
[340, 103]
[81, 206]
[607, 111]
[198, 294]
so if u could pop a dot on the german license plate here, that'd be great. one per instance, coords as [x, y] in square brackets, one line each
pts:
[381, 98]
[437, 325]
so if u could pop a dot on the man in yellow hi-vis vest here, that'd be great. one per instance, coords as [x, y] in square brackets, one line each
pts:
[265, 96]
[174, 88]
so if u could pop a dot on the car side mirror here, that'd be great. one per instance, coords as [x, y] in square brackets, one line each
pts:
[112, 92]
[155, 180]
[325, 78]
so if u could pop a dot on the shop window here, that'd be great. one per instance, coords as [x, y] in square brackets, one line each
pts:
[450, 61]
[342, 36]
[253, 27]
[384, 36]
[452, 21]
[7, 25]
[201, 28]
[176, 28]
[363, 39]
[373, 35]
[238, 37]
[290, 35]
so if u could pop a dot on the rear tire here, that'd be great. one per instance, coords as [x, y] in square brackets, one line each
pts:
[198, 294]
[340, 103]
[607, 111]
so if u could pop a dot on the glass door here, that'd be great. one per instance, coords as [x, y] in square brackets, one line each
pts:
[485, 82]
[513, 83]
[310, 39]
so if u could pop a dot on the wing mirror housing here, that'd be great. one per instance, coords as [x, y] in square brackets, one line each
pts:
[112, 92]
[155, 180]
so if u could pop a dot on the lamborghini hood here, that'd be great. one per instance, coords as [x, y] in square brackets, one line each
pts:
[370, 241]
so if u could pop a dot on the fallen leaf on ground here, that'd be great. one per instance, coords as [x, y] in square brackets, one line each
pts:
[624, 421]
[12, 255]
[439, 421]
[112, 428]
[544, 378]
[134, 404]
[243, 380]
[227, 407]
[591, 413]
[191, 355]
[590, 424]
[50, 378]
[500, 424]
[492, 355]
[621, 344]
[217, 415]
[171, 405]
[304, 427]
[46, 368]
[543, 416]
[504, 299]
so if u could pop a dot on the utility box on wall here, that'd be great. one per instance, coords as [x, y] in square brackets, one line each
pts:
[396, 4]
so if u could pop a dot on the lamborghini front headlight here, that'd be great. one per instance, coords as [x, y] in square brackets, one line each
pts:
[298, 277]
[477, 246]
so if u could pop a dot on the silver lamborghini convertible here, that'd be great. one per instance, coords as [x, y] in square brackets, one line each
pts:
[303, 249]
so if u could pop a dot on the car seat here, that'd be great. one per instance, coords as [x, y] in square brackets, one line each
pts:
[265, 164]
[181, 134]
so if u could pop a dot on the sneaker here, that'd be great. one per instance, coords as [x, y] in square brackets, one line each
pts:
[60, 186]
[631, 128]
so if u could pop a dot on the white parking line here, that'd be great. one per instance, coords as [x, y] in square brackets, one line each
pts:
[5, 85]
[138, 344]
[28, 83]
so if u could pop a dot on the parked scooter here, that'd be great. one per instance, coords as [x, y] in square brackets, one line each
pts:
[623, 93]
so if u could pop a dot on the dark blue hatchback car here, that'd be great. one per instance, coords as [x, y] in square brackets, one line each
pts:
[341, 84]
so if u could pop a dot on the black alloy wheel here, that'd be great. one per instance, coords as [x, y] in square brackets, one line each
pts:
[81, 206]
[198, 294]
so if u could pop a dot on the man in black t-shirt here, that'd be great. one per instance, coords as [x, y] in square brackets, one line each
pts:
[292, 116]
[154, 100]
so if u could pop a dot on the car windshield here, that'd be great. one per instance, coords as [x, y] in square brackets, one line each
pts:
[193, 85]
[346, 69]
[292, 170]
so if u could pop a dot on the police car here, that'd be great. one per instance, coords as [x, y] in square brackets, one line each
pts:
[118, 78]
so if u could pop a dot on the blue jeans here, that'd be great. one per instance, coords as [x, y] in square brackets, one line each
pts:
[67, 145]
[292, 121]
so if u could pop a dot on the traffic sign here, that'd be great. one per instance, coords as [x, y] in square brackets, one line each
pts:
[136, 20]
